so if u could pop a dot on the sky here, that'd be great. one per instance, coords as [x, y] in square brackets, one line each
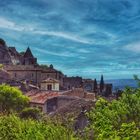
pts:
[79, 37]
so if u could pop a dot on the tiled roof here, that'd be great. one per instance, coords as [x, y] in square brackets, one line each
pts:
[40, 97]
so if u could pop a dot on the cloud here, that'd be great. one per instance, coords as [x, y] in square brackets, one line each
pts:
[60, 54]
[79, 37]
[65, 36]
[133, 47]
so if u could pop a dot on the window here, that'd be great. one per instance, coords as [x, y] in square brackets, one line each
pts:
[49, 87]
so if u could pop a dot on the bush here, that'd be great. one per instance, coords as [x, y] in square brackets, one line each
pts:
[33, 113]
[12, 99]
[119, 119]
[14, 128]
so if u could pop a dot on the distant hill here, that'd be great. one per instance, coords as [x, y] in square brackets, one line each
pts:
[122, 83]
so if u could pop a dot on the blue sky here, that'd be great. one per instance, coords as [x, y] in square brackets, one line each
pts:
[79, 37]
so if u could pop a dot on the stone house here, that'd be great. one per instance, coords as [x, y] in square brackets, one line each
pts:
[34, 74]
[80, 93]
[50, 84]
[72, 82]
[88, 85]
[48, 101]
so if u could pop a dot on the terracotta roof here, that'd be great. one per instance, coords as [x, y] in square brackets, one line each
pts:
[40, 97]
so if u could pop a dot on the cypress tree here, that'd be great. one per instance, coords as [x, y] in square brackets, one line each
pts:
[102, 83]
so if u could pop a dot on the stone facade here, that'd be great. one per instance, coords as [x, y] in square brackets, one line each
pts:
[33, 74]
[23, 66]
[72, 82]
[50, 84]
[88, 85]
[4, 76]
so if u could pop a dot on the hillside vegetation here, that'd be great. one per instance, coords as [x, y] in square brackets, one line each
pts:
[108, 120]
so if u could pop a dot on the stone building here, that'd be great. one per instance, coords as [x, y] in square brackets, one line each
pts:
[34, 74]
[50, 84]
[48, 101]
[23, 66]
[72, 82]
[88, 85]
[4, 76]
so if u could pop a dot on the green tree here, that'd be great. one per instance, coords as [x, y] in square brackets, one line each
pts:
[118, 119]
[14, 128]
[12, 99]
[1, 66]
[33, 113]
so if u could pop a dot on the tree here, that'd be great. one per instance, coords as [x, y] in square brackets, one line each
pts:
[101, 84]
[33, 113]
[44, 66]
[51, 66]
[118, 119]
[12, 99]
[15, 128]
[1, 66]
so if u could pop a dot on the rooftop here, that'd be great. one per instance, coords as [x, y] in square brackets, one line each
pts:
[40, 97]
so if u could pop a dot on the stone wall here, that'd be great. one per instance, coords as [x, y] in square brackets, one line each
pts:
[72, 82]
[34, 74]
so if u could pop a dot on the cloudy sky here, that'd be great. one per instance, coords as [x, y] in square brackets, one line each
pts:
[79, 37]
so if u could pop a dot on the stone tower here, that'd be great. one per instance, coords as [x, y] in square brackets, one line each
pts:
[29, 59]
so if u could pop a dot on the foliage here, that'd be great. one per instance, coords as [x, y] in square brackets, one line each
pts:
[44, 66]
[11, 99]
[119, 119]
[109, 120]
[1, 66]
[14, 128]
[137, 79]
[30, 112]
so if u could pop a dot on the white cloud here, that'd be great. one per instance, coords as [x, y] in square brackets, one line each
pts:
[64, 35]
[62, 54]
[134, 47]
[4, 23]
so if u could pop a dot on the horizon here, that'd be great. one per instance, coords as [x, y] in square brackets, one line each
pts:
[80, 38]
